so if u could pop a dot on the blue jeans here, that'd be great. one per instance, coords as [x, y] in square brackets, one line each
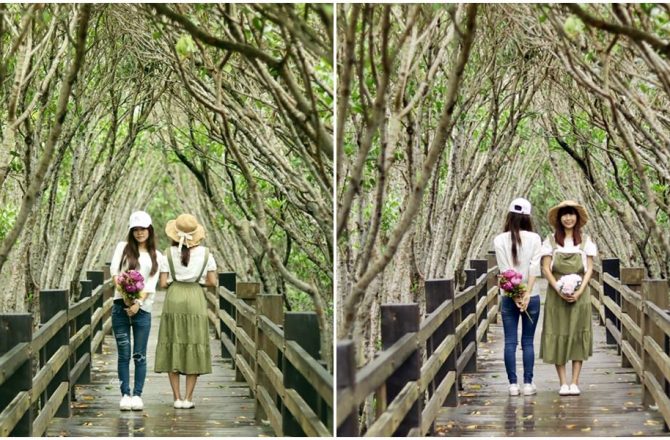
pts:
[510, 316]
[121, 325]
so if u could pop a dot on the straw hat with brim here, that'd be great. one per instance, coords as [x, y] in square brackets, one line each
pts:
[185, 229]
[552, 216]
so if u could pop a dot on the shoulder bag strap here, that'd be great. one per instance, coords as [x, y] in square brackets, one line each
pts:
[168, 252]
[204, 265]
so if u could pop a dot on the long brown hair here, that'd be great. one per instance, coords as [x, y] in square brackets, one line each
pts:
[185, 253]
[131, 253]
[559, 235]
[514, 223]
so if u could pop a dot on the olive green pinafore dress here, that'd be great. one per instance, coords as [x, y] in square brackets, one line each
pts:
[566, 331]
[183, 335]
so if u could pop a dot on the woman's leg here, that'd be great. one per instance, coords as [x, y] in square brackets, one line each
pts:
[174, 383]
[141, 326]
[191, 379]
[576, 370]
[527, 337]
[560, 369]
[121, 329]
[510, 317]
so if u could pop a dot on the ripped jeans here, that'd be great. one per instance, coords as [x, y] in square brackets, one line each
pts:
[121, 325]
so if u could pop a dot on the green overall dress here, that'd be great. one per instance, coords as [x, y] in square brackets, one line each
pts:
[566, 331]
[183, 335]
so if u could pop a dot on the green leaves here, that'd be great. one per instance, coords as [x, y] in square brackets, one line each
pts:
[185, 46]
[573, 27]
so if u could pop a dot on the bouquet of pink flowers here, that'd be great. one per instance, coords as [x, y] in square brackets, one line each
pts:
[130, 284]
[568, 284]
[510, 282]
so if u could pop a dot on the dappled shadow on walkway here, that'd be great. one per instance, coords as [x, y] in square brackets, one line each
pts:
[610, 403]
[223, 406]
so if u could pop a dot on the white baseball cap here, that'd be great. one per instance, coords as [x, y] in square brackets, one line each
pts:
[139, 219]
[520, 206]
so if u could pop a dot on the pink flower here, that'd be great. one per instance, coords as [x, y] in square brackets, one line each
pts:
[515, 281]
[509, 273]
[507, 286]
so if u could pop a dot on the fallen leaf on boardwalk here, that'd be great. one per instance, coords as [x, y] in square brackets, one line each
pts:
[100, 414]
[88, 397]
[475, 413]
[585, 429]
[241, 417]
[638, 433]
[215, 422]
[207, 434]
[471, 427]
[80, 405]
[467, 394]
[570, 426]
[487, 403]
[88, 424]
[652, 422]
[205, 398]
[476, 386]
[140, 429]
[629, 403]
[528, 417]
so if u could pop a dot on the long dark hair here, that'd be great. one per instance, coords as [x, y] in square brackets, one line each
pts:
[514, 223]
[185, 253]
[559, 235]
[131, 253]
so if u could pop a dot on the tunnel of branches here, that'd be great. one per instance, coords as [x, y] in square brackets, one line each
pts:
[222, 111]
[448, 112]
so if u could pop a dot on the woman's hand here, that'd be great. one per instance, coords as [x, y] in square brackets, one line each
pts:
[133, 309]
[522, 304]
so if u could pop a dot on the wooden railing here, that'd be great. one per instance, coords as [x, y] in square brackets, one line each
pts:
[38, 371]
[634, 311]
[409, 393]
[277, 354]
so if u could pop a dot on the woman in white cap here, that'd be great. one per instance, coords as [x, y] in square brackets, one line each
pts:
[183, 335]
[566, 332]
[518, 248]
[137, 253]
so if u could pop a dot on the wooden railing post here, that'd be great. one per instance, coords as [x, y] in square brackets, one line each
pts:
[610, 266]
[52, 302]
[16, 328]
[631, 277]
[656, 292]
[346, 378]
[492, 262]
[227, 280]
[97, 278]
[85, 348]
[397, 321]
[481, 266]
[247, 292]
[470, 307]
[272, 307]
[303, 328]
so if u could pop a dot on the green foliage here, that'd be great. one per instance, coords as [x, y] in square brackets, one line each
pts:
[573, 26]
[7, 219]
[185, 46]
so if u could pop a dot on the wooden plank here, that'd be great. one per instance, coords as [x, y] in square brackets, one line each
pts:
[434, 320]
[432, 364]
[242, 364]
[612, 306]
[659, 396]
[390, 420]
[229, 345]
[47, 413]
[245, 340]
[308, 420]
[481, 329]
[212, 299]
[613, 330]
[79, 337]
[467, 354]
[227, 295]
[272, 331]
[11, 361]
[79, 368]
[375, 373]
[346, 423]
[245, 311]
[316, 375]
[11, 415]
[100, 312]
[434, 405]
[273, 372]
[214, 321]
[659, 357]
[48, 371]
[228, 320]
[658, 316]
[345, 405]
[271, 411]
[79, 307]
[247, 290]
[48, 330]
[633, 358]
[631, 327]
[465, 325]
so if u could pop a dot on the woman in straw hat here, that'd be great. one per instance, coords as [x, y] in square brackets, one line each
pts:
[566, 332]
[138, 253]
[183, 335]
[518, 248]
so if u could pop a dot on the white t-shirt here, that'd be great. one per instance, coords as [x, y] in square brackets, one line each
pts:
[528, 255]
[590, 249]
[145, 269]
[188, 273]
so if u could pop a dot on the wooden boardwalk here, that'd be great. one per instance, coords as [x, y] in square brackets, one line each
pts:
[610, 403]
[224, 407]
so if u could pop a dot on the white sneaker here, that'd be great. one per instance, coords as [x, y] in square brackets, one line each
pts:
[565, 390]
[125, 403]
[179, 404]
[136, 403]
[513, 389]
[574, 390]
[529, 389]
[187, 404]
